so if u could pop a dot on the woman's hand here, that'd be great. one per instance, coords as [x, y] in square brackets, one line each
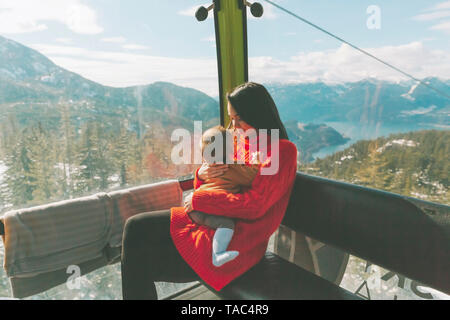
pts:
[188, 202]
[208, 171]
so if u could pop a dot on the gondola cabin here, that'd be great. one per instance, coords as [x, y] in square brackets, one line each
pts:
[343, 237]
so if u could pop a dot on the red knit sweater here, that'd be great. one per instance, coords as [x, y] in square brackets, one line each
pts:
[257, 211]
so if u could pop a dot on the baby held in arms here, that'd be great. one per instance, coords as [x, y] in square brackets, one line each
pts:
[236, 177]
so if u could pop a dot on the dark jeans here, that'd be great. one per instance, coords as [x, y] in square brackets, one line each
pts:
[149, 255]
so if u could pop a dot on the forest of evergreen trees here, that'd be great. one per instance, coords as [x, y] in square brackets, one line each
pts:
[45, 164]
[413, 164]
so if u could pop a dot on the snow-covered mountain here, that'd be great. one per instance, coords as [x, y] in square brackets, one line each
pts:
[28, 77]
[367, 101]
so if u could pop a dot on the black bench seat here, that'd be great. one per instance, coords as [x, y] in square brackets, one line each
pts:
[274, 278]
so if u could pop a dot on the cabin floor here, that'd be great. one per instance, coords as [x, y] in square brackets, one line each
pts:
[198, 293]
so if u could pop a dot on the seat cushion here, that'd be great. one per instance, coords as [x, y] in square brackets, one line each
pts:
[274, 278]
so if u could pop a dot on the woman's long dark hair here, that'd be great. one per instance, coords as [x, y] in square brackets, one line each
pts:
[254, 105]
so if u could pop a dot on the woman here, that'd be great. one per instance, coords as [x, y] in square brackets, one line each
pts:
[168, 246]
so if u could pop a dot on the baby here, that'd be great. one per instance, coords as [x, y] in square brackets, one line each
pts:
[236, 177]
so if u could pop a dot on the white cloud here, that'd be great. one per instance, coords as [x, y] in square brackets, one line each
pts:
[82, 19]
[64, 40]
[433, 15]
[122, 69]
[210, 39]
[190, 12]
[134, 47]
[444, 26]
[269, 12]
[23, 16]
[437, 12]
[344, 64]
[442, 5]
[419, 111]
[347, 65]
[122, 41]
[51, 50]
[114, 40]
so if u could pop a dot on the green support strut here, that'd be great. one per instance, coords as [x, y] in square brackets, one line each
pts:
[230, 19]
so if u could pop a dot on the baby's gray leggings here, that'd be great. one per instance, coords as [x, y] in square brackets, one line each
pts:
[211, 221]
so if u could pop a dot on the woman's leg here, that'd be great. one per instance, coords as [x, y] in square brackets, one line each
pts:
[149, 255]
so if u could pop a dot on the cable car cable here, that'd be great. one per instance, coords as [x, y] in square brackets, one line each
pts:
[359, 49]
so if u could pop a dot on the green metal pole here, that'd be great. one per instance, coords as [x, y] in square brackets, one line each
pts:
[230, 18]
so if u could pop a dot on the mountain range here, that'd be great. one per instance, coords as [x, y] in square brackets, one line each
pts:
[33, 88]
[367, 101]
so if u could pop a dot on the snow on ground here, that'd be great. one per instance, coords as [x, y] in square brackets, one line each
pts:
[3, 169]
[401, 142]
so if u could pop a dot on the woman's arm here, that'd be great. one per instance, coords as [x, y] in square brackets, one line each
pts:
[265, 192]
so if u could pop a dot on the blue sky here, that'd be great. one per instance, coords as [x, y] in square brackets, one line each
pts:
[122, 43]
